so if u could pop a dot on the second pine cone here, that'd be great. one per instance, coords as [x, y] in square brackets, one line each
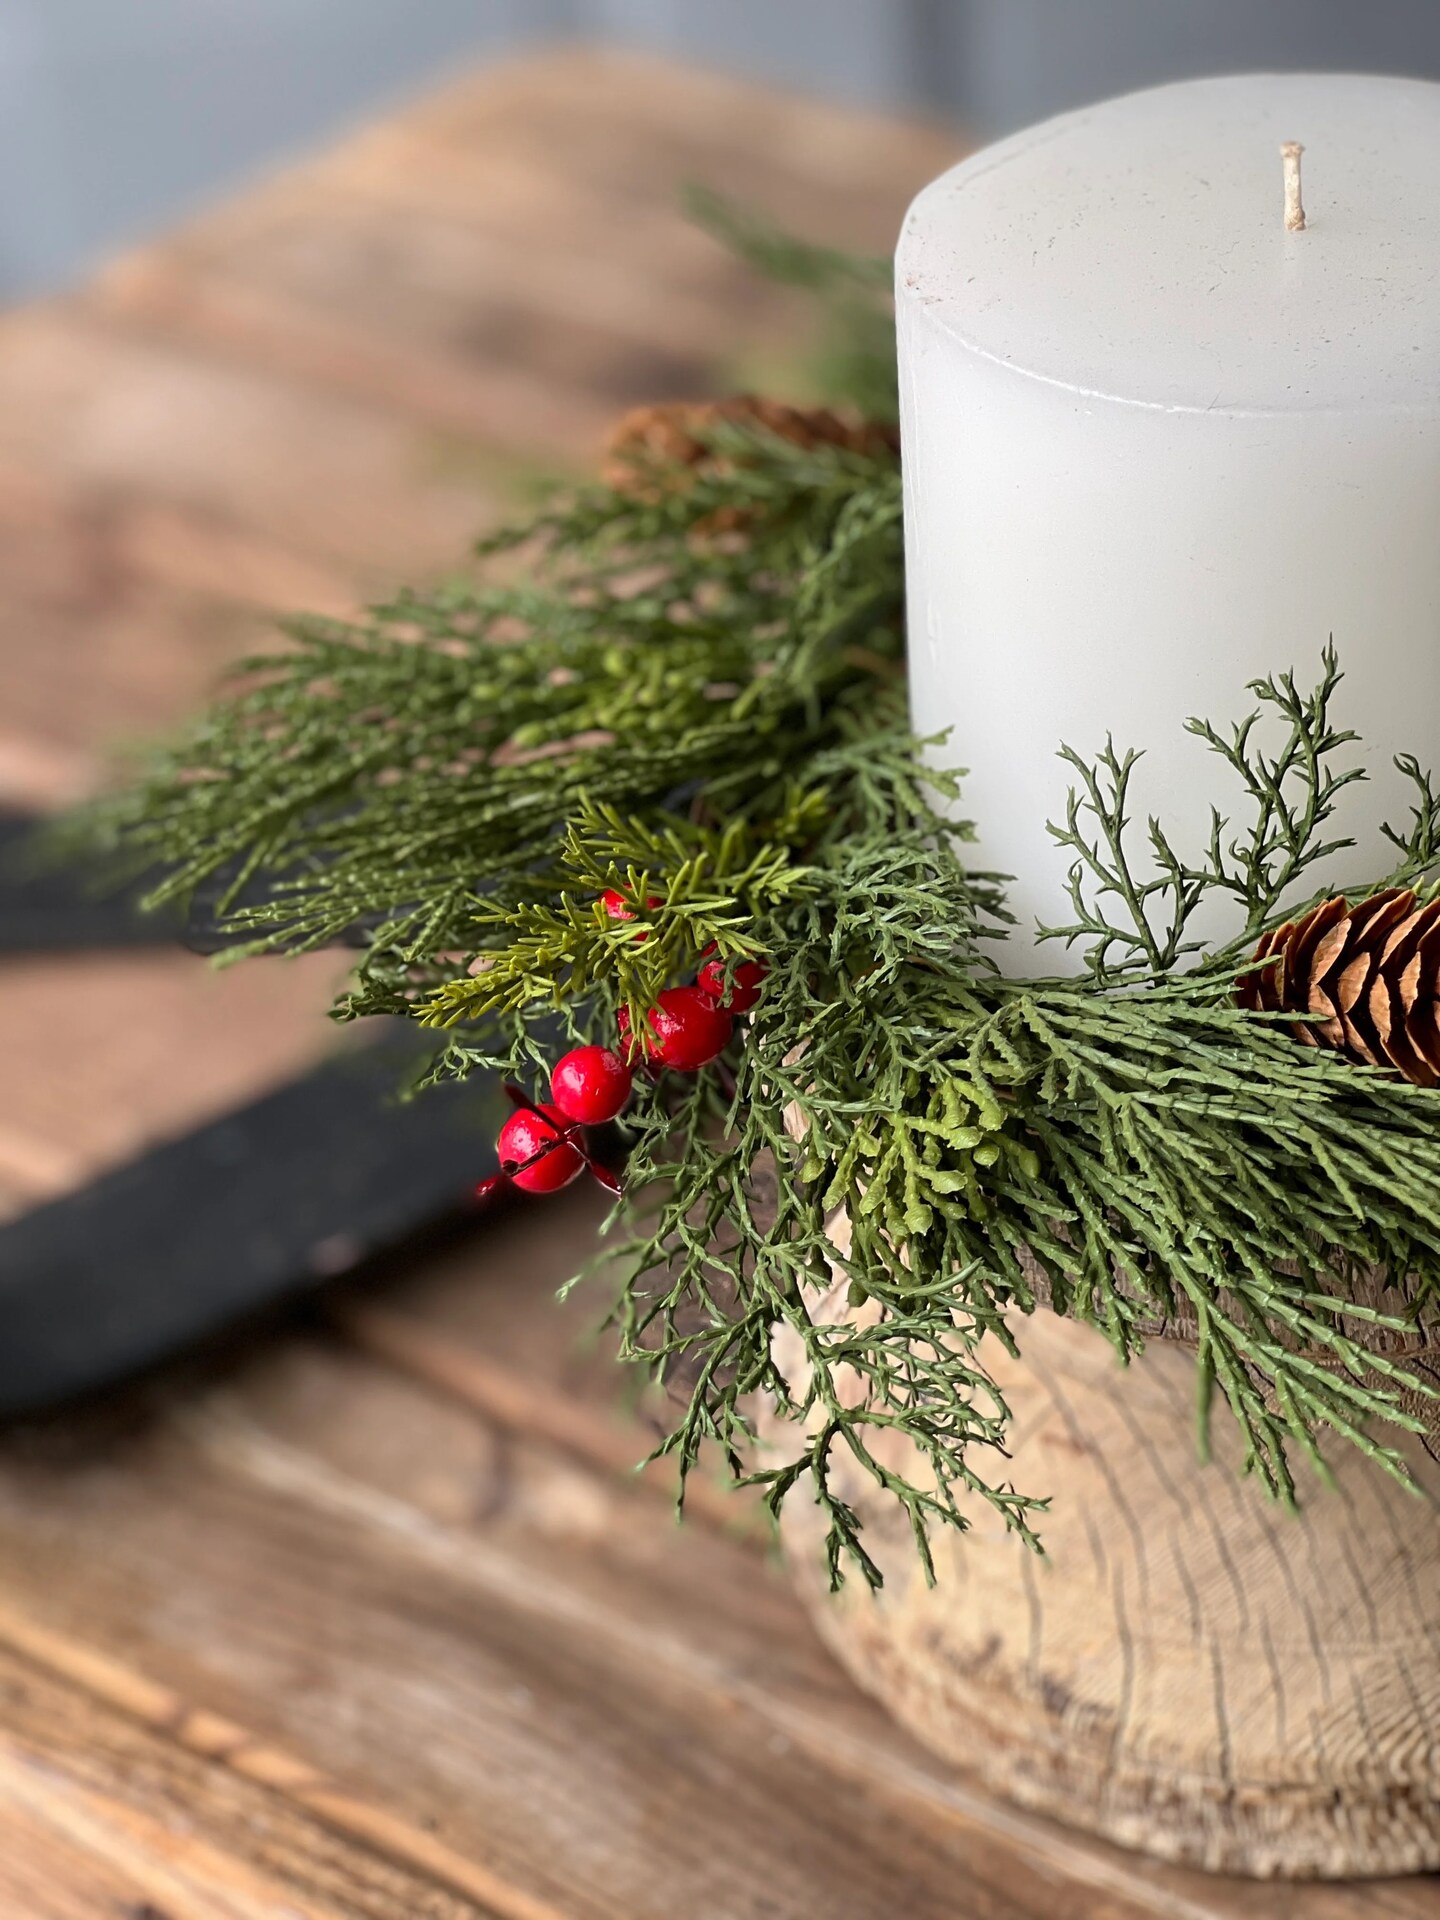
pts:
[1368, 974]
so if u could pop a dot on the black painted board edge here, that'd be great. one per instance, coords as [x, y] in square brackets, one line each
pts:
[50, 906]
[257, 1207]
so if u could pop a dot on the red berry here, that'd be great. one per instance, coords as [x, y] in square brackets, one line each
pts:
[590, 1085]
[618, 909]
[537, 1135]
[687, 1029]
[745, 980]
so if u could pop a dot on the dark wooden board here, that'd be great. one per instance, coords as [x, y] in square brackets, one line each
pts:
[235, 1218]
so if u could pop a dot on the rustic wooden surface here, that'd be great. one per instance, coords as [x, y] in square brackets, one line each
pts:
[373, 1620]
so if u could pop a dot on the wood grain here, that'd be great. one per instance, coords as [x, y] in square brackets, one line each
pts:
[100, 1812]
[490, 1667]
[1189, 1669]
[530, 1365]
[526, 1720]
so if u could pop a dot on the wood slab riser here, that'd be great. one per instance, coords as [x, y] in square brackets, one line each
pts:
[1189, 1670]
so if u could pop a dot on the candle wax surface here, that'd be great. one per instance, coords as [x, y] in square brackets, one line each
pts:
[1156, 446]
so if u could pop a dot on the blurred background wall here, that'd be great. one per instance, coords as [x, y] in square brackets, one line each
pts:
[115, 115]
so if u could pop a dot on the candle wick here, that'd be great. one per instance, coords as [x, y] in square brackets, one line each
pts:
[1290, 152]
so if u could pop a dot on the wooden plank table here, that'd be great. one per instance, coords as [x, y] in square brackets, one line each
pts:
[372, 1619]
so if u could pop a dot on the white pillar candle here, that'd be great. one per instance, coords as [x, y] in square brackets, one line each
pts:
[1160, 440]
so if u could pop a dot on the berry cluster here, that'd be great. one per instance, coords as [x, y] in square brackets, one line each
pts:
[543, 1147]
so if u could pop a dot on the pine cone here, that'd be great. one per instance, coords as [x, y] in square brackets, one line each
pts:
[675, 434]
[1370, 975]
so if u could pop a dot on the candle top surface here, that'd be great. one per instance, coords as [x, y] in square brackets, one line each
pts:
[1137, 250]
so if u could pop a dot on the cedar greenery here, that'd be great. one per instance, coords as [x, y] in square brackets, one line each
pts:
[649, 691]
